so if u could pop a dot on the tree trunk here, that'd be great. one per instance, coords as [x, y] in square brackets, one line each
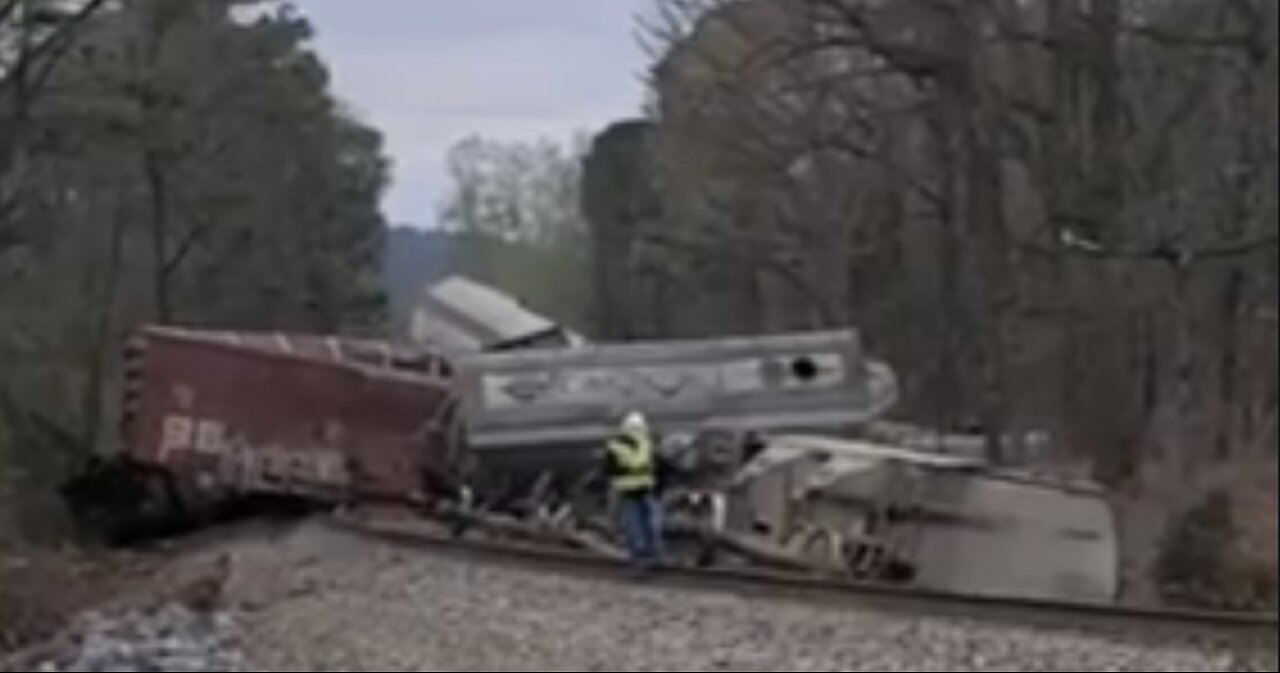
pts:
[1226, 425]
[1058, 175]
[1107, 164]
[998, 293]
[101, 346]
[978, 121]
[158, 198]
[1185, 436]
[950, 314]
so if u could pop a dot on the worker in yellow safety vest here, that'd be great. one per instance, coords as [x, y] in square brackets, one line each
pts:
[631, 465]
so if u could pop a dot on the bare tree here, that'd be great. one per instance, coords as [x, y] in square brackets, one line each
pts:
[1042, 149]
[34, 38]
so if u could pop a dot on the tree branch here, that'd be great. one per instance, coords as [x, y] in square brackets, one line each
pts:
[1170, 38]
[916, 62]
[920, 187]
[52, 48]
[195, 235]
[786, 268]
[1251, 41]
[1167, 253]
[8, 9]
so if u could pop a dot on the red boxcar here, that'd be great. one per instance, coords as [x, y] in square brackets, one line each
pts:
[232, 414]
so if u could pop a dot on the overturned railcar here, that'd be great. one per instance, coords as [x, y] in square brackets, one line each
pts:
[215, 417]
[540, 411]
[944, 523]
[461, 315]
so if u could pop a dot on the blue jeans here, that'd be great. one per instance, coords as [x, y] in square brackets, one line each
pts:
[640, 518]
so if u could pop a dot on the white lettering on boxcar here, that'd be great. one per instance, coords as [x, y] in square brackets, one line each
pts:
[211, 437]
[176, 435]
[245, 465]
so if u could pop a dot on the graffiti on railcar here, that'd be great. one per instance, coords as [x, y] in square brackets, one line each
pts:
[663, 383]
[242, 464]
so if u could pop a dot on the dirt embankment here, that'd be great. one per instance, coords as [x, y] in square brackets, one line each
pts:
[42, 591]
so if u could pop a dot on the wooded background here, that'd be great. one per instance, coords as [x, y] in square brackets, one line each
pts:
[180, 162]
[1056, 215]
[1053, 215]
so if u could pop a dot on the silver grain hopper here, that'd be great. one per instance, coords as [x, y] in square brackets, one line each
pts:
[550, 410]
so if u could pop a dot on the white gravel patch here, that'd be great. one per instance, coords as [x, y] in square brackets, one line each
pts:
[170, 638]
[334, 603]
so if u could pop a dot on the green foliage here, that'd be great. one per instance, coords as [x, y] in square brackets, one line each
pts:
[185, 163]
[514, 210]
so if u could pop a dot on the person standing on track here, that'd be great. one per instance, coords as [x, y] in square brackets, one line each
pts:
[631, 465]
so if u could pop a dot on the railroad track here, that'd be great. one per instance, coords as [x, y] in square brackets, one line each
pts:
[1095, 618]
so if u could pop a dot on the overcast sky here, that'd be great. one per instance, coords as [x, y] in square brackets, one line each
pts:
[428, 73]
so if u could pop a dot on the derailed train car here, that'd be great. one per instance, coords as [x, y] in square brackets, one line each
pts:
[212, 415]
[212, 418]
[946, 523]
[549, 410]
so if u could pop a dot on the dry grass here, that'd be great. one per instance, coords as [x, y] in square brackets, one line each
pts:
[1219, 543]
[1163, 495]
[1252, 560]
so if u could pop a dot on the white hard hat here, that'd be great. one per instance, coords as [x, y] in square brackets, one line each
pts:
[635, 422]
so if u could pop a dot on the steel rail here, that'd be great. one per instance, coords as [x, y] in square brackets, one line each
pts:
[1039, 613]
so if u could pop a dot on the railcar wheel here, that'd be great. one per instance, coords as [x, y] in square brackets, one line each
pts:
[118, 503]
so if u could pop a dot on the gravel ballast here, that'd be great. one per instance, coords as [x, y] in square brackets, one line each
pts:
[170, 638]
[321, 600]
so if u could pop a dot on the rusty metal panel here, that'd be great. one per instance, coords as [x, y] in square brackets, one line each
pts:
[284, 414]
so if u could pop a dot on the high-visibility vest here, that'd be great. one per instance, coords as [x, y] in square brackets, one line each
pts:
[634, 455]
